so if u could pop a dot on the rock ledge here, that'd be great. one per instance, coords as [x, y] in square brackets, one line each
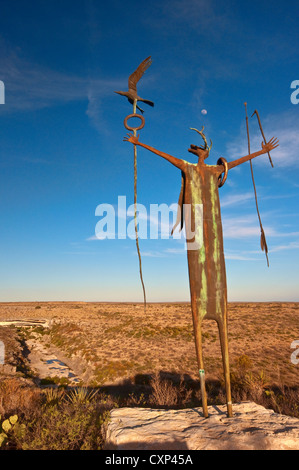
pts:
[253, 427]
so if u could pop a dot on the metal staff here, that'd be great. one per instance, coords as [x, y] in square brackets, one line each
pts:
[133, 98]
[135, 129]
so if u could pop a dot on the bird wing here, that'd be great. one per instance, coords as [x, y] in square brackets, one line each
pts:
[139, 72]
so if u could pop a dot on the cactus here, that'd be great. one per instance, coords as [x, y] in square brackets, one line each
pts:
[3, 438]
[7, 426]
[13, 419]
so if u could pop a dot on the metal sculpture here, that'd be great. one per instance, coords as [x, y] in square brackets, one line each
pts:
[207, 274]
[206, 263]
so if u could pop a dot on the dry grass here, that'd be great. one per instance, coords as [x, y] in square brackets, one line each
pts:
[18, 397]
[142, 360]
[116, 341]
[111, 344]
[167, 395]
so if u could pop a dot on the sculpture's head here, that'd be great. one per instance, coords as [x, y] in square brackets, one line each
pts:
[201, 152]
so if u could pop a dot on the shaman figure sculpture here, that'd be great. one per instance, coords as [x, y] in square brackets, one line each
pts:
[207, 273]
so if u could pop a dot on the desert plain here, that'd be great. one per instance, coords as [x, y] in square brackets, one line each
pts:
[112, 343]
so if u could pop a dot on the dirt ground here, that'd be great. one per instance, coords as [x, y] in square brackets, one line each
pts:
[103, 343]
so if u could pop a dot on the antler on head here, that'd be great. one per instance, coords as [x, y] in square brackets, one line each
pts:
[206, 147]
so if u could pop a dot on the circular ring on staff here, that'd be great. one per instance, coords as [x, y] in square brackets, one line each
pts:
[134, 128]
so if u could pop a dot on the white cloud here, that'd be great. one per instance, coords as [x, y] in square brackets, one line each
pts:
[243, 227]
[234, 199]
[176, 251]
[153, 254]
[247, 225]
[238, 257]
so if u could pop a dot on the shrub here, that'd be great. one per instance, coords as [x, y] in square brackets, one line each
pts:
[65, 427]
[166, 394]
[17, 397]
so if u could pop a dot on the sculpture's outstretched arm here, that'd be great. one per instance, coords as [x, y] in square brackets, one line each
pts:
[272, 144]
[181, 164]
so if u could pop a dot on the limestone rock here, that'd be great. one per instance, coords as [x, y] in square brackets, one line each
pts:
[6, 369]
[252, 427]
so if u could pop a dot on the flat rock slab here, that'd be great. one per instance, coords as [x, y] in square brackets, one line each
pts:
[252, 427]
[25, 323]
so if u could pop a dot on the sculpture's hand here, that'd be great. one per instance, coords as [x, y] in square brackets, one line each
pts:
[272, 144]
[131, 138]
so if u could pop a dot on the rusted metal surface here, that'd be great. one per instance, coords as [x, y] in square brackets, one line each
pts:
[132, 94]
[223, 177]
[207, 273]
[206, 147]
[134, 129]
[262, 132]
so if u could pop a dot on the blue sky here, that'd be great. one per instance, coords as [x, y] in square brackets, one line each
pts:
[62, 151]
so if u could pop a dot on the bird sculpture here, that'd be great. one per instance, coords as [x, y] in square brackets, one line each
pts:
[132, 94]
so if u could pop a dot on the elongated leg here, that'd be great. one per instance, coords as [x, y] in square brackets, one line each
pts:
[198, 346]
[222, 326]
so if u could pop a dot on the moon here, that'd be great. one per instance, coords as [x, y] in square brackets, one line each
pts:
[204, 112]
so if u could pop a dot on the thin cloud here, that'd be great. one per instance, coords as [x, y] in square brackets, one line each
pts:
[242, 198]
[235, 199]
[242, 227]
[284, 127]
[198, 14]
[236, 257]
[153, 254]
[30, 86]
[105, 236]
[288, 246]
[81, 253]
[176, 251]
[248, 226]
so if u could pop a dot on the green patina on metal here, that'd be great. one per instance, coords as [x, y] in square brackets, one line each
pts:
[203, 294]
[220, 283]
[207, 276]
